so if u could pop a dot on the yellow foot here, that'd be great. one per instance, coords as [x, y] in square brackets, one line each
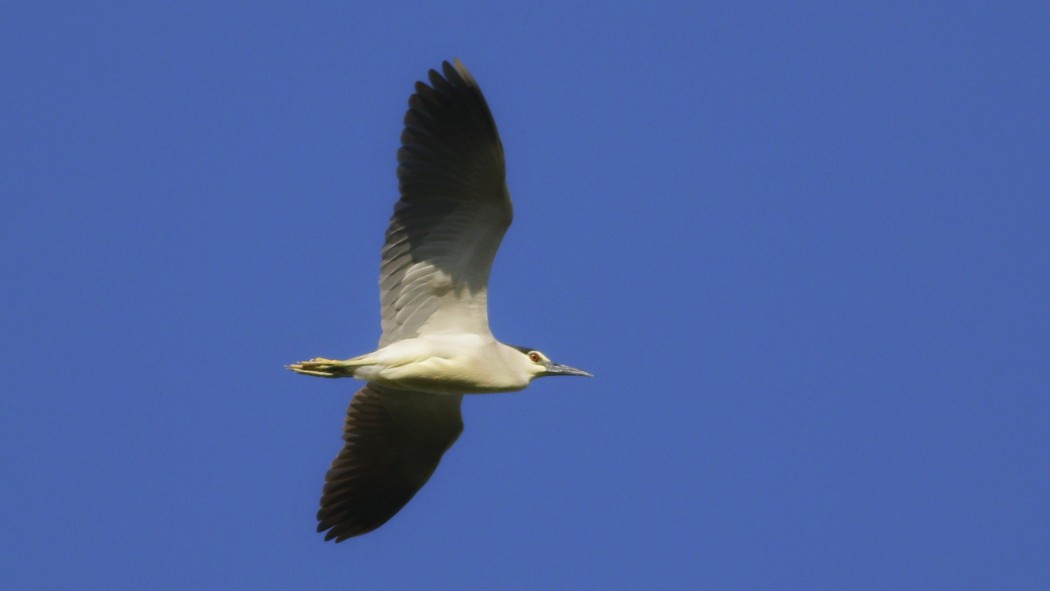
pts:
[325, 368]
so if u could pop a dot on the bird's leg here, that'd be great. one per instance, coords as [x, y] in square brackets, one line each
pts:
[326, 368]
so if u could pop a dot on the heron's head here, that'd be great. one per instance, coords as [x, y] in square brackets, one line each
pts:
[539, 365]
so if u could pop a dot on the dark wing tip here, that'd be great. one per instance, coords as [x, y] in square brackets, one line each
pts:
[456, 72]
[450, 145]
[394, 442]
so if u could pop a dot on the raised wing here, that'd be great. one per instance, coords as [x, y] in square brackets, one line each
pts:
[394, 441]
[453, 212]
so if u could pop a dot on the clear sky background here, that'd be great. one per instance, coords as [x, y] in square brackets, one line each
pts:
[805, 250]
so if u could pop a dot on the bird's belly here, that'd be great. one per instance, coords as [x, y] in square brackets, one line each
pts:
[442, 376]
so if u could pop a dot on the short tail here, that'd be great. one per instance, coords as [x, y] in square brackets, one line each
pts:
[326, 368]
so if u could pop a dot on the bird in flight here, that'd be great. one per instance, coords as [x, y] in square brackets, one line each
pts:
[436, 344]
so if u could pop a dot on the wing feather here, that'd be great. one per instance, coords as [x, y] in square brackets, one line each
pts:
[453, 212]
[394, 442]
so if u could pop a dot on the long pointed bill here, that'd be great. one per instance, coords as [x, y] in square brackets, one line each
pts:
[556, 369]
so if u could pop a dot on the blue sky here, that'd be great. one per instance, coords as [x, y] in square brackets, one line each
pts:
[804, 250]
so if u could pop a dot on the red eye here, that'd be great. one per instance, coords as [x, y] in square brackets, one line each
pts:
[535, 357]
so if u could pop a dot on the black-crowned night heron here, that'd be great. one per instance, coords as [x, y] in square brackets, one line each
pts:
[436, 344]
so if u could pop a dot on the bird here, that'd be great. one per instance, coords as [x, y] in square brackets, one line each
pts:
[436, 344]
